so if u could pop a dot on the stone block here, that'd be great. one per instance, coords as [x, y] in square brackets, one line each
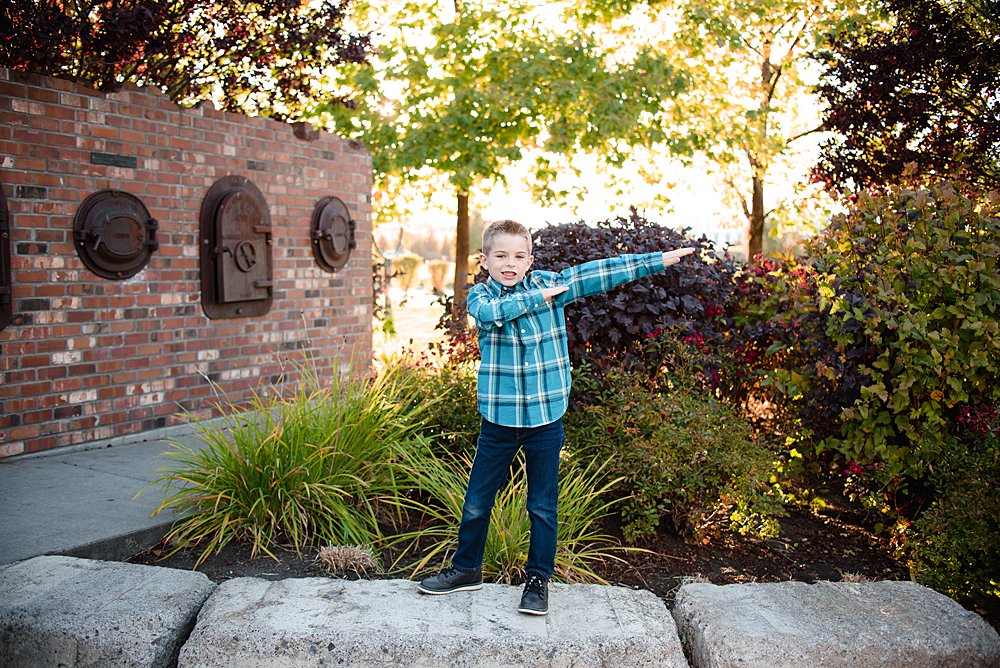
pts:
[63, 611]
[298, 623]
[831, 624]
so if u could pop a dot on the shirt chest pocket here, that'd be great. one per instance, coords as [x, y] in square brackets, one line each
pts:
[530, 330]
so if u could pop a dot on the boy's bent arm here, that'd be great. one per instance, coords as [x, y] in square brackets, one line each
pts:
[490, 312]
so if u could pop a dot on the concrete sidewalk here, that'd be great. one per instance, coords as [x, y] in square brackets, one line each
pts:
[80, 501]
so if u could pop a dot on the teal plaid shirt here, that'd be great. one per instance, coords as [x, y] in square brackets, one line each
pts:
[524, 375]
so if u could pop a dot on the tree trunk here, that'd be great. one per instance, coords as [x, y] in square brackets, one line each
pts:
[758, 161]
[756, 241]
[461, 254]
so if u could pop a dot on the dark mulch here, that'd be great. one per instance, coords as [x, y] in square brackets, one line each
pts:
[811, 546]
[826, 545]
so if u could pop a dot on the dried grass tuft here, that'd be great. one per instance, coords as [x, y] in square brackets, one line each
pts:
[342, 560]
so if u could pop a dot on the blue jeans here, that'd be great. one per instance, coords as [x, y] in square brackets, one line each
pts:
[495, 450]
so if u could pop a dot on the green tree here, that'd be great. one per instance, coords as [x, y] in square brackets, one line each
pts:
[746, 106]
[466, 93]
[750, 102]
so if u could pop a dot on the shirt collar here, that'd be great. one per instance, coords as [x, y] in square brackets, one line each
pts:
[498, 288]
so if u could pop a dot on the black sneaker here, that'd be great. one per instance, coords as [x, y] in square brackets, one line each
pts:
[452, 580]
[535, 599]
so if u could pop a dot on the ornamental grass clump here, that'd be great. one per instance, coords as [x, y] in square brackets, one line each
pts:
[441, 481]
[303, 470]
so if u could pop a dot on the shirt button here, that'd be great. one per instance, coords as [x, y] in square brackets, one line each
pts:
[522, 331]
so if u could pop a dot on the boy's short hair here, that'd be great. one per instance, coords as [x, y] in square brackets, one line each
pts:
[497, 227]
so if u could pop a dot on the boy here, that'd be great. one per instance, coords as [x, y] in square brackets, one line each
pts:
[523, 391]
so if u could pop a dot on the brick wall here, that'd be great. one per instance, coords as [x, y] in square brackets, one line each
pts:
[85, 358]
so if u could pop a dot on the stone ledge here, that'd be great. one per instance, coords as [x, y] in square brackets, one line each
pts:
[74, 612]
[793, 624]
[63, 611]
[318, 621]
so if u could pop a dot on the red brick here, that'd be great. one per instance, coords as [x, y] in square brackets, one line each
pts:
[52, 372]
[67, 385]
[34, 417]
[35, 360]
[24, 432]
[86, 422]
[40, 444]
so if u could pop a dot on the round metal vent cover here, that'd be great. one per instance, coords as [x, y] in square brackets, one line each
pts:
[113, 234]
[332, 233]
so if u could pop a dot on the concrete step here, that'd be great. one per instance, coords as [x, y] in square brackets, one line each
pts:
[64, 611]
[831, 624]
[321, 622]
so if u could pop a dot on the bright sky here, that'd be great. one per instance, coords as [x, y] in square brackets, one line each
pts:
[693, 201]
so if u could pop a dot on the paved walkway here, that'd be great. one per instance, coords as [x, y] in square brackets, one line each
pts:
[82, 502]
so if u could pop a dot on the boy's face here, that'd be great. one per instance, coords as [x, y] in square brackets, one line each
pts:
[509, 259]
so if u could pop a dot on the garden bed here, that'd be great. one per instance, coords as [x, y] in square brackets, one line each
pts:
[827, 545]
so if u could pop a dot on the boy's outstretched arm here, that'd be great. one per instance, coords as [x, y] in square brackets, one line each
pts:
[590, 278]
[570, 284]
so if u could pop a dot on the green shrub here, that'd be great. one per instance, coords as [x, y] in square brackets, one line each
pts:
[451, 422]
[912, 288]
[443, 479]
[677, 451]
[924, 263]
[304, 470]
[777, 361]
[954, 548]
[405, 268]
[878, 345]
[886, 329]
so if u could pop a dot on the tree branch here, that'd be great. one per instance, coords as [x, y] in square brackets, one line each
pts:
[739, 195]
[800, 35]
[818, 128]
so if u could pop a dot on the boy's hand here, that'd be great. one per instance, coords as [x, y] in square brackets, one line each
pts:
[549, 293]
[674, 256]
